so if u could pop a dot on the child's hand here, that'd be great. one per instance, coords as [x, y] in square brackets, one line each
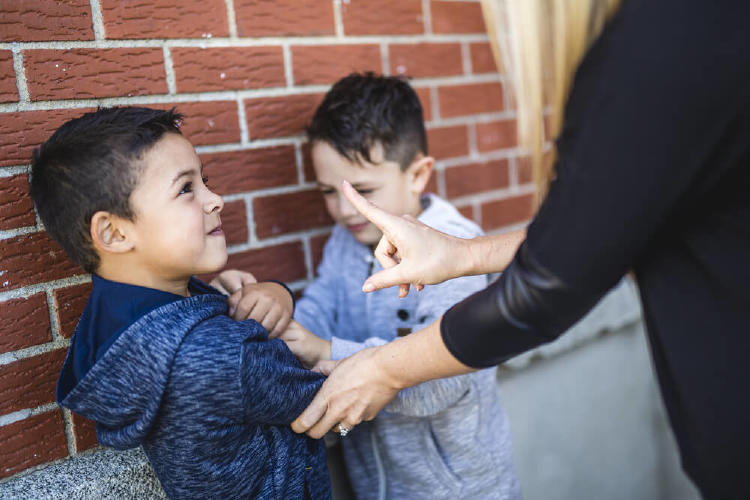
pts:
[308, 347]
[231, 280]
[268, 303]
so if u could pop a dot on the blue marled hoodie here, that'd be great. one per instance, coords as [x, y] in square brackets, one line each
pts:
[209, 399]
[444, 439]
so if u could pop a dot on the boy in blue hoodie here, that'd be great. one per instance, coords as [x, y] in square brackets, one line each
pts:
[155, 361]
[444, 439]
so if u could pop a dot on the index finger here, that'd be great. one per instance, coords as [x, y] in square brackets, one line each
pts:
[312, 414]
[382, 219]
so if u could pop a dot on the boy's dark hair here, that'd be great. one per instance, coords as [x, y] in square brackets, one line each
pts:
[361, 110]
[89, 164]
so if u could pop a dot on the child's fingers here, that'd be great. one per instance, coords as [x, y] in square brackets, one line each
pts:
[249, 307]
[281, 325]
[232, 280]
[270, 322]
[325, 366]
[216, 283]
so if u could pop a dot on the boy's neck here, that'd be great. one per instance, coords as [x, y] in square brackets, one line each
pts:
[134, 275]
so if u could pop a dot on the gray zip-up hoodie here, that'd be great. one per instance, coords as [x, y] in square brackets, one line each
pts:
[447, 438]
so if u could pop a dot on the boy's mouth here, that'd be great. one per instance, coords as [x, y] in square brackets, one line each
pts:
[216, 231]
[355, 228]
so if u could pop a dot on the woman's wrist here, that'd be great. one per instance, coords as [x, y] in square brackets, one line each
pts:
[416, 358]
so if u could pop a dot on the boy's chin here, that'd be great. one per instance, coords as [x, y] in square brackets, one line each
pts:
[216, 265]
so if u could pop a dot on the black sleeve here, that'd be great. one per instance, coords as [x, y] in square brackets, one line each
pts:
[651, 106]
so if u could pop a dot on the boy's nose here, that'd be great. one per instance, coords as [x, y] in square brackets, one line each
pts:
[346, 209]
[213, 203]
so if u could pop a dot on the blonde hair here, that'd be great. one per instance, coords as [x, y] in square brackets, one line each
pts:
[539, 45]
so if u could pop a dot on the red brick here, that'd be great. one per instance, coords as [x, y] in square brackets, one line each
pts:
[496, 214]
[16, 207]
[456, 17]
[213, 122]
[448, 142]
[234, 222]
[250, 169]
[25, 323]
[308, 168]
[328, 63]
[22, 131]
[284, 262]
[32, 441]
[280, 116]
[460, 100]
[165, 19]
[475, 178]
[284, 17]
[8, 89]
[496, 135]
[89, 73]
[44, 20]
[70, 303]
[33, 258]
[317, 243]
[524, 170]
[30, 382]
[290, 212]
[84, 432]
[385, 17]
[482, 59]
[424, 60]
[426, 101]
[203, 70]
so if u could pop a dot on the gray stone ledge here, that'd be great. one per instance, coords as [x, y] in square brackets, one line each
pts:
[103, 473]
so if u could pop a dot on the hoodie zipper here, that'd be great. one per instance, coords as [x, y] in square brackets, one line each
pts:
[378, 464]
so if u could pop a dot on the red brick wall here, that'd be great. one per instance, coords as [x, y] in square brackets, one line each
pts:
[248, 74]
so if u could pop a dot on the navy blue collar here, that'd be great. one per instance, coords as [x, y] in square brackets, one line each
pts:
[111, 308]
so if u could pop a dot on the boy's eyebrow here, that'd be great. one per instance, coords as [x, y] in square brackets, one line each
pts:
[185, 172]
[355, 185]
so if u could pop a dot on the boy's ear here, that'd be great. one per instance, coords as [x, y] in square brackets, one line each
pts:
[420, 171]
[108, 233]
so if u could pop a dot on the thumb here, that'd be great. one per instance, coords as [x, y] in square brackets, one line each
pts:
[385, 279]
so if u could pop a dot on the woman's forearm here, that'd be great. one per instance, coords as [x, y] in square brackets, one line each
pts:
[492, 254]
[417, 358]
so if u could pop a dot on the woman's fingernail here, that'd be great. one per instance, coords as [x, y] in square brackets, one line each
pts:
[369, 287]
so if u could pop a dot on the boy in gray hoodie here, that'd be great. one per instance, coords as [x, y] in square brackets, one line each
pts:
[444, 439]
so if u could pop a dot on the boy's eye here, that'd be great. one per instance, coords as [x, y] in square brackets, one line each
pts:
[187, 188]
[365, 191]
[326, 192]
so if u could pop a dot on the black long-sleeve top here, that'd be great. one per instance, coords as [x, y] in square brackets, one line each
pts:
[653, 175]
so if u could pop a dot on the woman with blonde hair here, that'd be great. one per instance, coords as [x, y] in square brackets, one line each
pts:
[648, 103]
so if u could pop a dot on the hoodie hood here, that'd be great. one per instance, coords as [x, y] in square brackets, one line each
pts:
[122, 392]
